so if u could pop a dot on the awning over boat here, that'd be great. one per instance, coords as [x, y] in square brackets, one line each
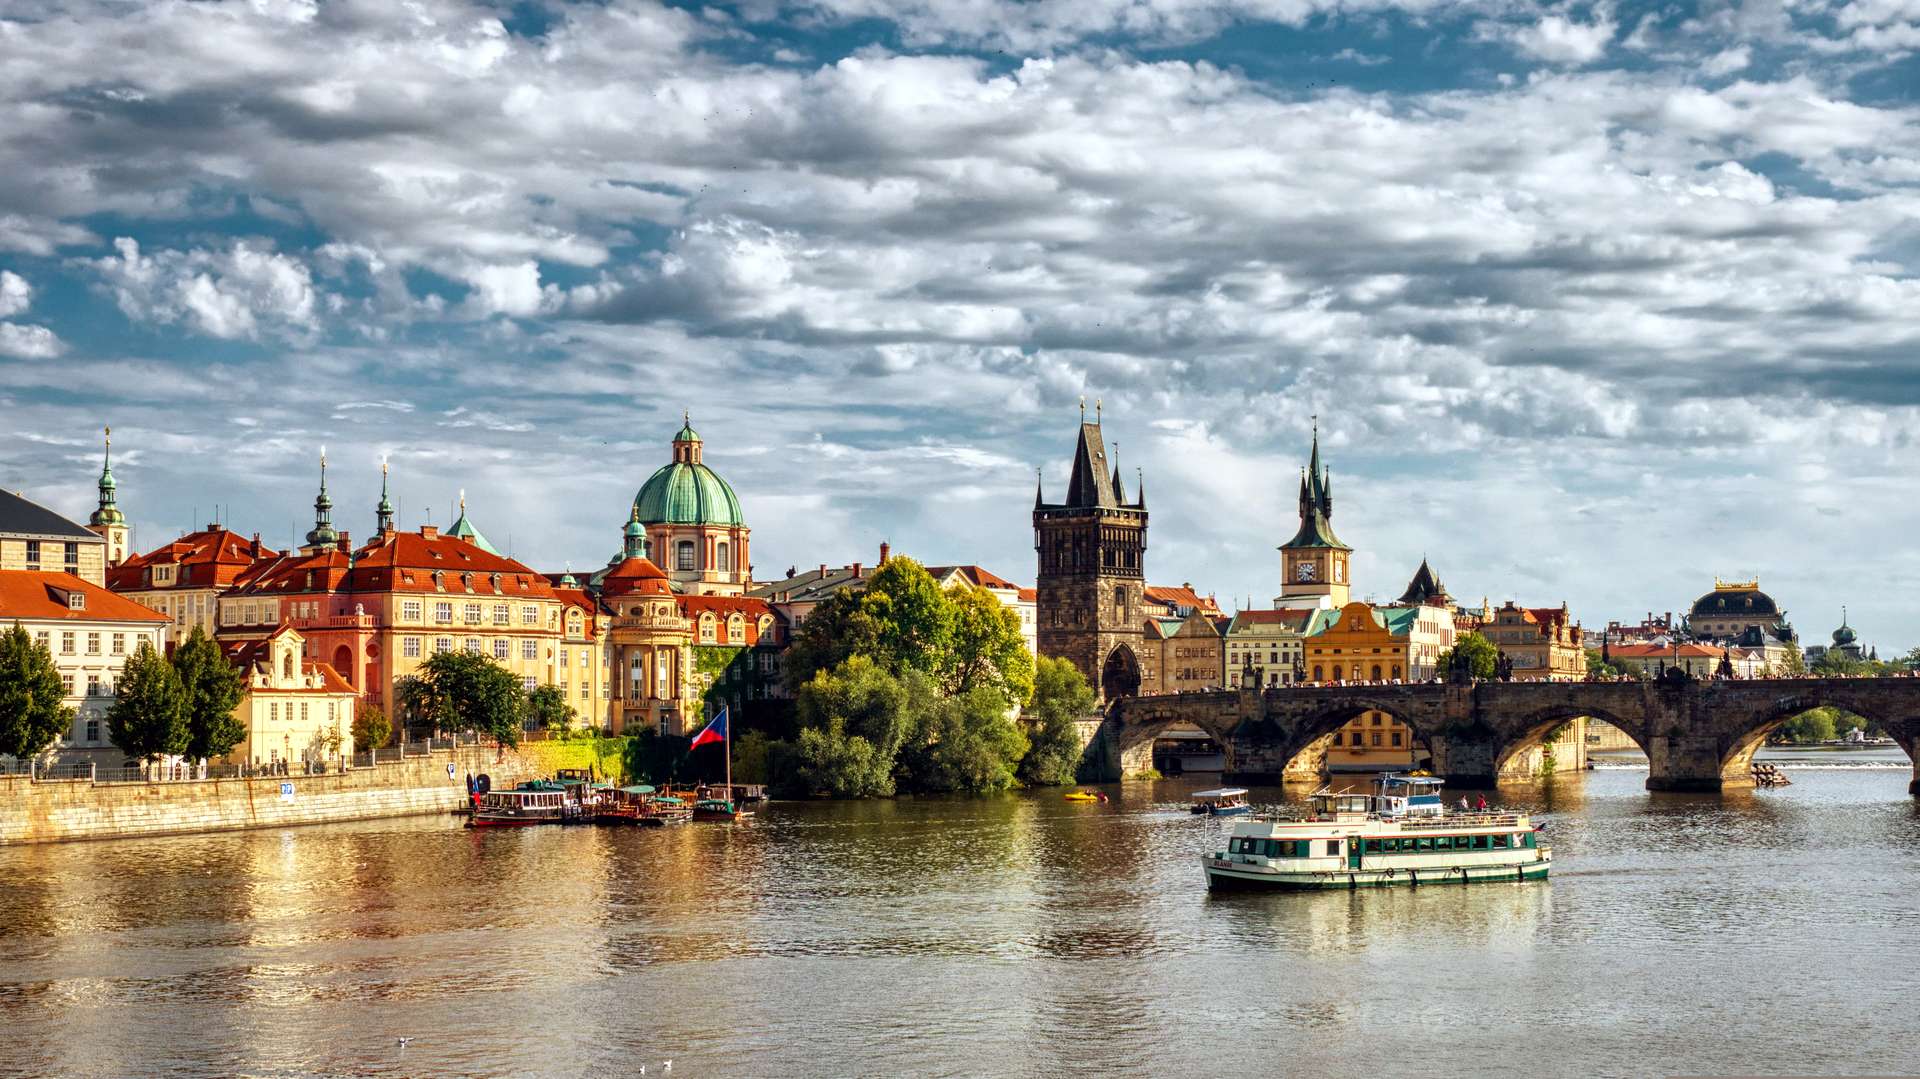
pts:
[637, 788]
[1223, 792]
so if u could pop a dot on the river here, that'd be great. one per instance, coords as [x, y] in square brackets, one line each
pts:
[1765, 932]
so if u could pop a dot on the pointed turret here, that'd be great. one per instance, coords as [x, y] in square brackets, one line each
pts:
[1316, 504]
[383, 513]
[1039, 489]
[1139, 489]
[323, 534]
[1090, 485]
[107, 513]
[464, 529]
[1119, 486]
[1425, 590]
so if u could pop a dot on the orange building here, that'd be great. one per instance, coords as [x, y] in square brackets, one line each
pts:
[183, 579]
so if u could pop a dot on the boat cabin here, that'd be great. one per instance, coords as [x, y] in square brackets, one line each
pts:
[1341, 805]
[1409, 796]
[1224, 801]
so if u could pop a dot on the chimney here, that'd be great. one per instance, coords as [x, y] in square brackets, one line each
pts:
[823, 569]
[253, 548]
[346, 543]
[429, 532]
[883, 552]
[856, 569]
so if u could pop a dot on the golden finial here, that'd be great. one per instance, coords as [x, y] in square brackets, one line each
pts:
[1083, 408]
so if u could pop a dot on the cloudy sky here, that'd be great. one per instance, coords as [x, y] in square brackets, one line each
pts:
[1593, 301]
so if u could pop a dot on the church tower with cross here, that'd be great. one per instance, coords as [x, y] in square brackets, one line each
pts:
[1314, 563]
[1092, 547]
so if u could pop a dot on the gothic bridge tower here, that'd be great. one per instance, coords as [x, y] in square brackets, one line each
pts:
[1092, 549]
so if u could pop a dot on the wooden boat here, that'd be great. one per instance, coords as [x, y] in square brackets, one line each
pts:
[1402, 835]
[1224, 802]
[629, 805]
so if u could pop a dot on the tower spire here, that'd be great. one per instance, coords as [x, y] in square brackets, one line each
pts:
[1139, 489]
[1119, 485]
[323, 534]
[636, 535]
[383, 513]
[1039, 488]
[107, 513]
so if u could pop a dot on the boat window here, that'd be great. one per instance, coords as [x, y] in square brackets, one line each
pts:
[1426, 843]
[1479, 842]
[1526, 839]
[1500, 842]
[1372, 846]
[1333, 846]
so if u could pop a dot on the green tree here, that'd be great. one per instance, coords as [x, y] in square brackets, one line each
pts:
[830, 761]
[213, 688]
[750, 755]
[547, 709]
[1835, 662]
[1480, 652]
[1794, 663]
[984, 646]
[371, 728]
[148, 717]
[652, 757]
[418, 705]
[901, 621]
[865, 700]
[33, 708]
[1597, 667]
[1060, 696]
[1813, 725]
[967, 744]
[476, 693]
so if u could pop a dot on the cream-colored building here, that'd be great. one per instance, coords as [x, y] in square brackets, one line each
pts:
[184, 579]
[90, 633]
[1542, 643]
[1268, 643]
[36, 539]
[297, 711]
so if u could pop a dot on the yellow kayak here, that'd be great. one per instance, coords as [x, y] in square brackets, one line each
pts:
[1081, 796]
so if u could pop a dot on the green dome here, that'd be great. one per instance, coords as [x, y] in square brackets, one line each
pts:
[687, 493]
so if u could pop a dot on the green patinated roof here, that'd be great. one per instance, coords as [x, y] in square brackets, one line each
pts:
[686, 493]
[687, 433]
[1397, 620]
[464, 529]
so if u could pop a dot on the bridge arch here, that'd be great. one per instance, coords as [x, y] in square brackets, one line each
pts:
[1744, 739]
[1520, 735]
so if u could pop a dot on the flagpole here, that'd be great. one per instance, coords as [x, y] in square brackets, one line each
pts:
[726, 746]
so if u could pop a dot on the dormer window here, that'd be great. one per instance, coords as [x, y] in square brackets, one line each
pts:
[439, 582]
[495, 579]
[76, 601]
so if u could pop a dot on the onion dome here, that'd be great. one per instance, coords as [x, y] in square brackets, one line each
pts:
[685, 491]
[1844, 635]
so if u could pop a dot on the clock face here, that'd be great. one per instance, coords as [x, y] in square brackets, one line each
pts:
[1303, 571]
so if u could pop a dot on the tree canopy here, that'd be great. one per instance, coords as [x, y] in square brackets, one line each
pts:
[33, 708]
[548, 710]
[148, 717]
[471, 690]
[1060, 696]
[371, 728]
[1479, 654]
[212, 689]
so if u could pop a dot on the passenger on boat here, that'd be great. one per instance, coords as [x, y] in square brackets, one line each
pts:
[1481, 803]
[1463, 804]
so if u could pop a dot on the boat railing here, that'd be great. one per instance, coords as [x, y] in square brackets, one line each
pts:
[1455, 820]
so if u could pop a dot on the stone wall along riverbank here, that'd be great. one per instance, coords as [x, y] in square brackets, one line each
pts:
[52, 811]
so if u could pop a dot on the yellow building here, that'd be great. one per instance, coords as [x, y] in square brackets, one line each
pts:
[1360, 643]
[1371, 742]
[89, 631]
[1267, 642]
[649, 643]
[297, 711]
[1542, 642]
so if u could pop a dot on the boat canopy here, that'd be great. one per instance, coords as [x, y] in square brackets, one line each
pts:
[1417, 781]
[1223, 792]
[637, 788]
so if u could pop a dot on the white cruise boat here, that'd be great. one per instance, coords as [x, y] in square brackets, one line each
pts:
[1402, 834]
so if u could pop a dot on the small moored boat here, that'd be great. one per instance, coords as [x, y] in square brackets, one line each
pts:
[518, 808]
[717, 809]
[1224, 802]
[1402, 834]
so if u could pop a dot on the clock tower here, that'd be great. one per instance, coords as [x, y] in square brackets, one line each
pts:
[1314, 563]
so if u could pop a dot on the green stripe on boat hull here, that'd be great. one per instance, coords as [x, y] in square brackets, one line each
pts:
[1223, 879]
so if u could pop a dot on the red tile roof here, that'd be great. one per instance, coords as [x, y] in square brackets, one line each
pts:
[1183, 596]
[976, 575]
[38, 594]
[751, 608]
[210, 558]
[635, 575]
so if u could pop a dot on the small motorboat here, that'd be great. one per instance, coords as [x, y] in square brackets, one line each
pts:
[717, 809]
[1223, 802]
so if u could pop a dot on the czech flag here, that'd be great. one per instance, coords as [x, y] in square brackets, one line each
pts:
[715, 731]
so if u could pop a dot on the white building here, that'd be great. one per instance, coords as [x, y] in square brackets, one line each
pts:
[90, 632]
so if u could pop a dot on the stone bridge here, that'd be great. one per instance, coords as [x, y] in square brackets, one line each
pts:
[1698, 735]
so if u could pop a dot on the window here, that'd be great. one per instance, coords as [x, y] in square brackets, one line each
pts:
[410, 610]
[410, 647]
[470, 612]
[1333, 846]
[529, 683]
[303, 711]
[502, 647]
[66, 643]
[1376, 738]
[66, 684]
[119, 644]
[721, 557]
[76, 601]
[563, 657]
[93, 685]
[1500, 842]
[443, 612]
[585, 691]
[1376, 719]
[93, 730]
[706, 628]
[43, 638]
[442, 644]
[33, 554]
[473, 645]
[273, 711]
[1372, 846]
[529, 649]
[529, 615]
[1396, 739]
[93, 644]
[583, 657]
[73, 559]
[502, 615]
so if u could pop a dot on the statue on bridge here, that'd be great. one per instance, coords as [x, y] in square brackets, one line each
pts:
[1503, 667]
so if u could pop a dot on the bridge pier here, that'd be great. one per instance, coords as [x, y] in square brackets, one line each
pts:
[1463, 760]
[1693, 764]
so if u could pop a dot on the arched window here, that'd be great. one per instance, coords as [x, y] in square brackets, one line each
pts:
[706, 628]
[683, 555]
[1337, 675]
[1319, 675]
[1120, 601]
[736, 629]
[1376, 672]
[1396, 672]
[286, 665]
[720, 557]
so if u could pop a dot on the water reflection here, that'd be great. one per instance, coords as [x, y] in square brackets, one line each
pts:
[1021, 934]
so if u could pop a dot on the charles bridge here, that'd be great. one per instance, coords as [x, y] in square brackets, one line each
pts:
[1698, 735]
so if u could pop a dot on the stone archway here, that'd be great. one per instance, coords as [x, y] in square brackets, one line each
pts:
[1120, 675]
[1302, 755]
[1509, 759]
[1737, 750]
